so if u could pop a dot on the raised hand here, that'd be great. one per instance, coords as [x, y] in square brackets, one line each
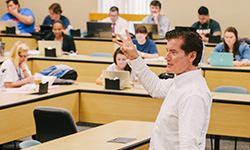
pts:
[127, 46]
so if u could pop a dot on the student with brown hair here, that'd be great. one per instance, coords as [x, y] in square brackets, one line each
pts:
[146, 47]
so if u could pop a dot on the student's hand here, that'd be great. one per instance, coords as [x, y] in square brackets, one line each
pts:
[237, 63]
[204, 38]
[13, 11]
[127, 46]
[30, 79]
[22, 65]
[155, 16]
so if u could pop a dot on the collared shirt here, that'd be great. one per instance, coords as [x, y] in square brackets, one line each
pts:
[163, 22]
[21, 26]
[120, 25]
[183, 119]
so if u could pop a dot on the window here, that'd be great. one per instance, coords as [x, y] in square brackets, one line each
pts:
[125, 6]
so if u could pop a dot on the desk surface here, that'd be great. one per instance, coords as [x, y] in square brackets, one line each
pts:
[96, 138]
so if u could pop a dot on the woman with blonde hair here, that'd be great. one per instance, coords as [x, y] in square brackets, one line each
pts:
[14, 70]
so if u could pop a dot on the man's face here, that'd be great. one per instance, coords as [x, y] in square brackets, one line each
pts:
[177, 61]
[113, 16]
[155, 9]
[203, 18]
[12, 5]
[54, 16]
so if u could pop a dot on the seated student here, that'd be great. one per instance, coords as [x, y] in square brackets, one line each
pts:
[55, 13]
[23, 16]
[120, 64]
[119, 25]
[15, 71]
[232, 44]
[146, 47]
[206, 26]
[57, 34]
[162, 22]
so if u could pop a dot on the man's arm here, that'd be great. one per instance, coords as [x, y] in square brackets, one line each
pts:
[28, 20]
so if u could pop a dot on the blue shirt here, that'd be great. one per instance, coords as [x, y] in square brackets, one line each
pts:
[244, 51]
[148, 47]
[23, 28]
[48, 21]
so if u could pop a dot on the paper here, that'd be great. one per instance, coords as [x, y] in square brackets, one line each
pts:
[122, 140]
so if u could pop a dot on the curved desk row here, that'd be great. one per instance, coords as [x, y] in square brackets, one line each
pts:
[88, 102]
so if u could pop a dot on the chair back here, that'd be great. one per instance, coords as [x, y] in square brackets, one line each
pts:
[53, 122]
[231, 89]
[99, 54]
[28, 143]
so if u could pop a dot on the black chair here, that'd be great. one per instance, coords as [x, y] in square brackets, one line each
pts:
[53, 122]
[166, 75]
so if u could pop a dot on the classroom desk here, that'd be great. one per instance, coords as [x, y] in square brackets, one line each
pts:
[88, 68]
[96, 138]
[230, 113]
[226, 76]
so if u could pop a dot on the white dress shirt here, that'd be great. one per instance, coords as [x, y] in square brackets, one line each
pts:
[120, 25]
[183, 119]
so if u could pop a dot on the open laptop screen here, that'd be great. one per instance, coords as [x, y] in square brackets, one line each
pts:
[99, 29]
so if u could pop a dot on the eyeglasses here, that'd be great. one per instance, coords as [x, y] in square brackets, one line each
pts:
[23, 56]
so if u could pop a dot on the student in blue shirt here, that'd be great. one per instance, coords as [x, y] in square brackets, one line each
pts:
[232, 44]
[146, 47]
[55, 13]
[23, 16]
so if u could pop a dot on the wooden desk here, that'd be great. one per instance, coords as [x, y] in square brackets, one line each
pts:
[96, 138]
[230, 114]
[227, 76]
[88, 68]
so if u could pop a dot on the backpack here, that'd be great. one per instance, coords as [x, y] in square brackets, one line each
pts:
[65, 74]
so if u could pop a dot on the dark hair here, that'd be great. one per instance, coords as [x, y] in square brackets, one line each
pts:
[118, 51]
[236, 44]
[203, 11]
[191, 42]
[58, 21]
[155, 3]
[14, 1]
[141, 29]
[114, 8]
[56, 7]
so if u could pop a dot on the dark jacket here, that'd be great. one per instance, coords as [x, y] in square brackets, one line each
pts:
[68, 42]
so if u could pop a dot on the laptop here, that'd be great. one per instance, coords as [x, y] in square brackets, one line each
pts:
[186, 28]
[42, 45]
[222, 59]
[45, 28]
[214, 39]
[151, 28]
[99, 29]
[123, 76]
[4, 24]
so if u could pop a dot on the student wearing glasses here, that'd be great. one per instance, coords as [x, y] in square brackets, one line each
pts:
[14, 71]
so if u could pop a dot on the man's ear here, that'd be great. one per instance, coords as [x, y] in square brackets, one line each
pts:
[192, 56]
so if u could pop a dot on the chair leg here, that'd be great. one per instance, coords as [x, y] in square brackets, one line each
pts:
[211, 139]
[217, 142]
[235, 144]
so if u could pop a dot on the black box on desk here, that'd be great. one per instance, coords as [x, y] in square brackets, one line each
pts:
[112, 84]
[50, 52]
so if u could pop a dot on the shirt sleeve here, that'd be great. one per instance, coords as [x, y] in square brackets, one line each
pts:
[164, 26]
[246, 53]
[216, 27]
[28, 12]
[192, 119]
[155, 87]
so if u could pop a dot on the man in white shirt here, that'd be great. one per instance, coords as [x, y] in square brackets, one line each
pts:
[119, 25]
[183, 119]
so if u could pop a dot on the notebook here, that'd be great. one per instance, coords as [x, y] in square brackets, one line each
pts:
[222, 59]
[123, 76]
